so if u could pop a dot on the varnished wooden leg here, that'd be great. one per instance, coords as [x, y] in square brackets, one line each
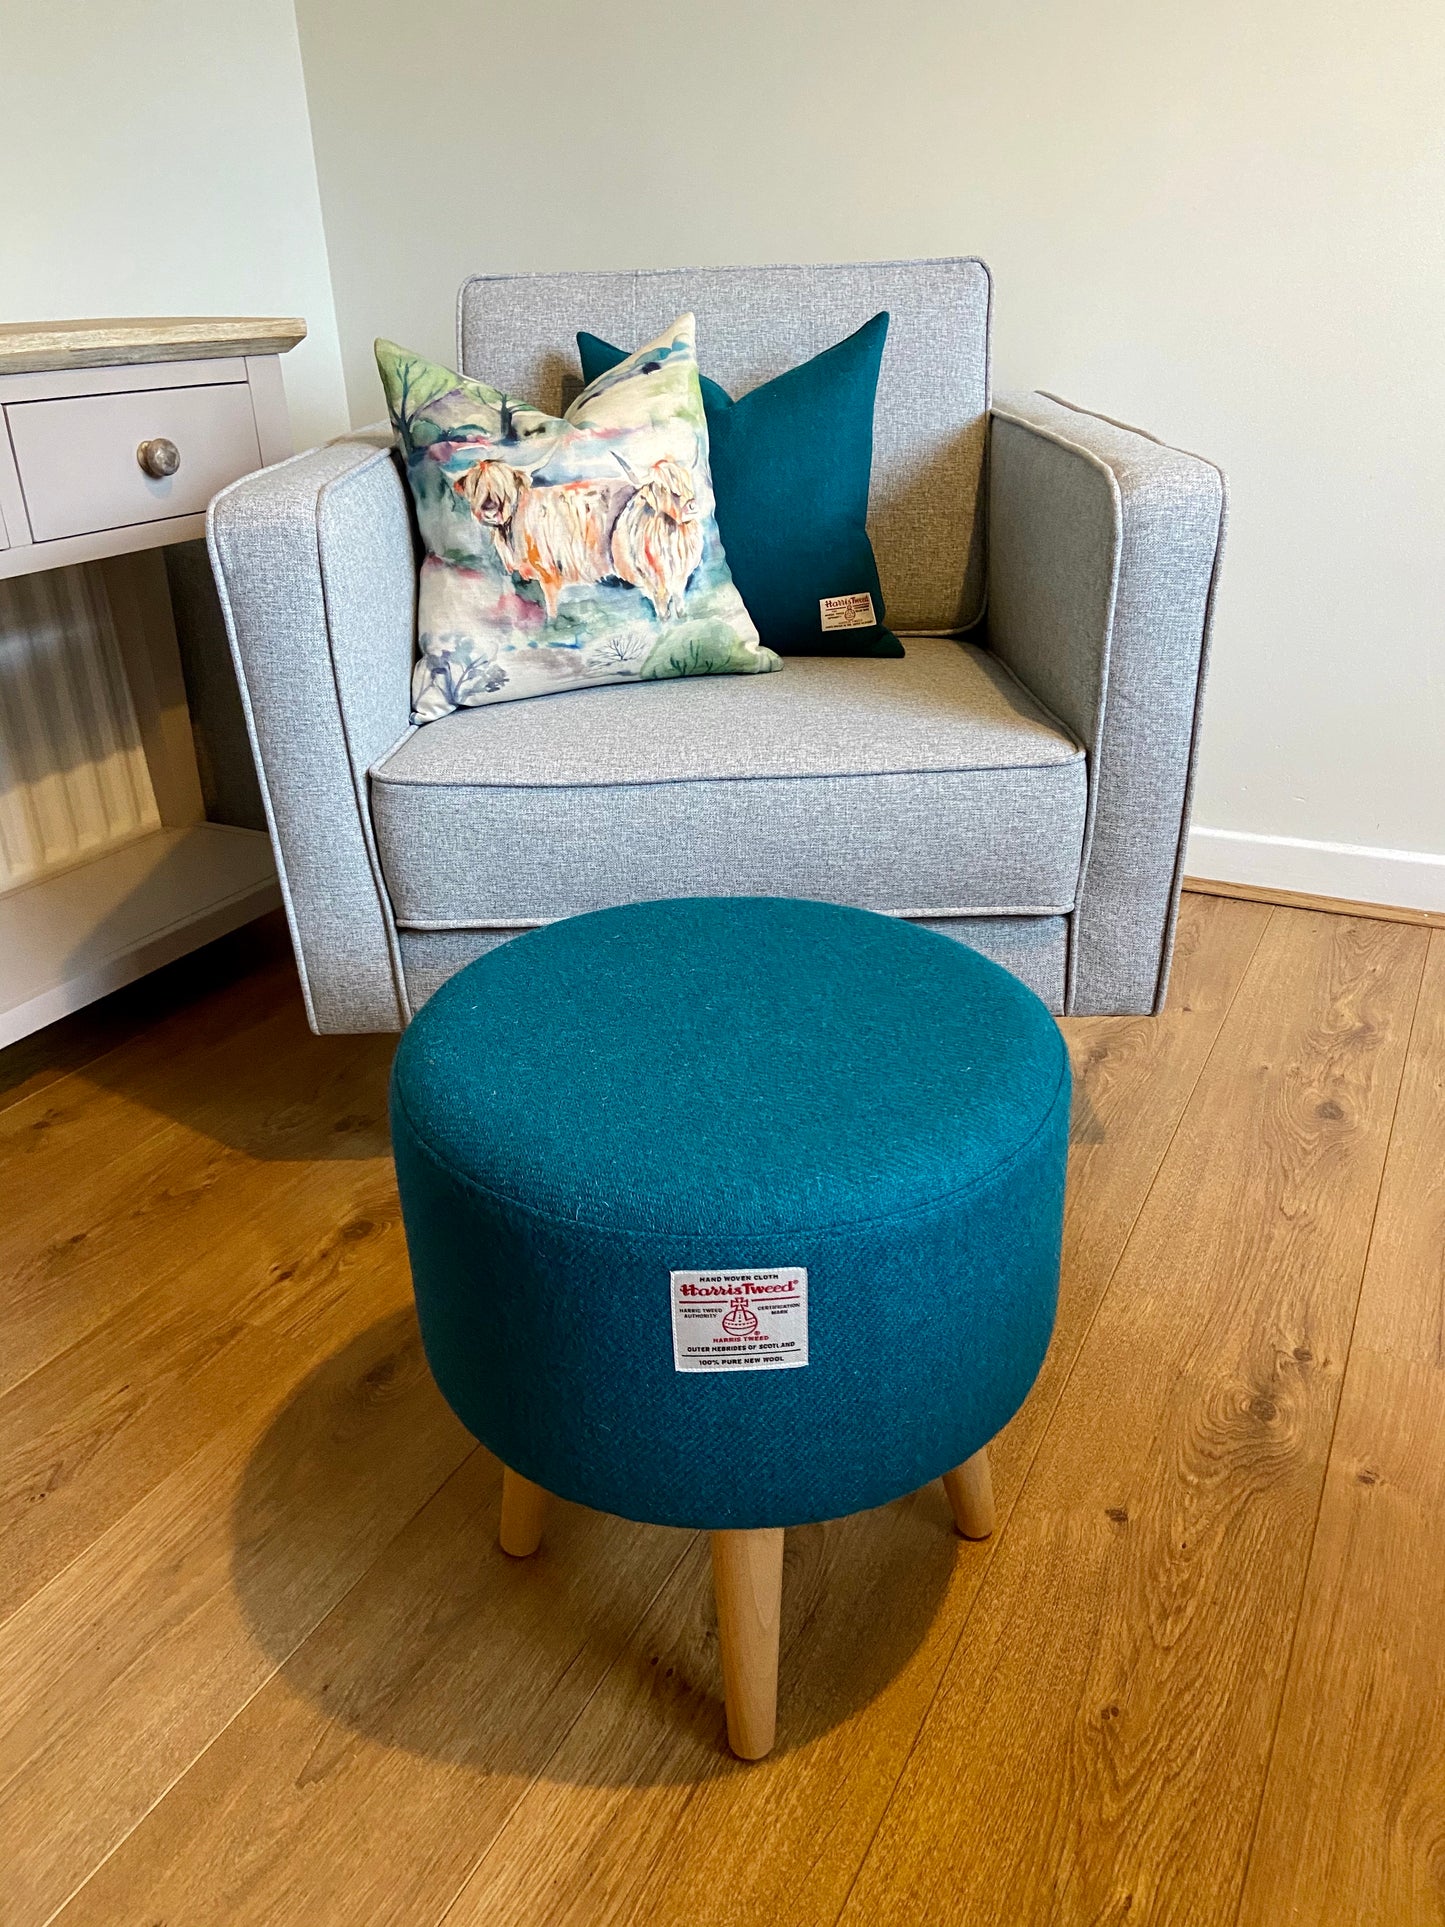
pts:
[524, 1507]
[747, 1578]
[970, 1492]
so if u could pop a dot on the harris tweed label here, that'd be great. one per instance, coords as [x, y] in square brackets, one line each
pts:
[740, 1321]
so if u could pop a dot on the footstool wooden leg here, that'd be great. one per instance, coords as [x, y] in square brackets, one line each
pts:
[747, 1578]
[524, 1507]
[970, 1492]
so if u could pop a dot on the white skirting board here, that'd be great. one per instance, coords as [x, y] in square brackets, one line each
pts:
[83, 932]
[1354, 872]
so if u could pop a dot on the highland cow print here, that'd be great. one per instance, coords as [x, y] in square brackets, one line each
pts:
[565, 550]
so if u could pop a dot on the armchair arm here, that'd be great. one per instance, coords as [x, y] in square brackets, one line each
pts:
[314, 564]
[1104, 550]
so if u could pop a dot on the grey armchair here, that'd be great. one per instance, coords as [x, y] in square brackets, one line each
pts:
[1020, 780]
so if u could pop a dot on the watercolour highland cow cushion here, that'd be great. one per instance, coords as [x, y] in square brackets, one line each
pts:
[565, 552]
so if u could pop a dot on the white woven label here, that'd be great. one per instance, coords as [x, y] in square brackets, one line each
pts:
[740, 1321]
[847, 611]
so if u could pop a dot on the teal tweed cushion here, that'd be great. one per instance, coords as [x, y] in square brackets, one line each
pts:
[721, 1088]
[791, 463]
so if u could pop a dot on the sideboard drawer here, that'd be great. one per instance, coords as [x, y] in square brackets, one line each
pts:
[80, 468]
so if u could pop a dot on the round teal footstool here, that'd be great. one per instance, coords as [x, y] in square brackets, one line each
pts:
[734, 1213]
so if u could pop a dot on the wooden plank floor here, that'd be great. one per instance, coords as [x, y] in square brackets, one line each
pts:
[261, 1662]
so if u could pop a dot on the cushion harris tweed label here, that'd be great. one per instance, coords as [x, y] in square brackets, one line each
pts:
[847, 611]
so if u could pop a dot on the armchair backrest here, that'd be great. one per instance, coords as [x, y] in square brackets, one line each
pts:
[925, 514]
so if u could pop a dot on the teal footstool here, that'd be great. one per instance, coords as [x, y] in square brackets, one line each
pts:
[733, 1213]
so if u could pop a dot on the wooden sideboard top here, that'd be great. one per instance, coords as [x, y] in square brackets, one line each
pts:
[28, 346]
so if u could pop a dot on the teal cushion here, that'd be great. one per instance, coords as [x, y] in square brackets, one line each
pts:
[790, 469]
[717, 1083]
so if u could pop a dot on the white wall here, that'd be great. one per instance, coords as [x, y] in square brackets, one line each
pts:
[157, 160]
[1222, 221]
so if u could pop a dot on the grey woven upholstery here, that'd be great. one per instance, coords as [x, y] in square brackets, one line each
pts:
[1030, 797]
[313, 560]
[1035, 949]
[875, 782]
[1103, 556]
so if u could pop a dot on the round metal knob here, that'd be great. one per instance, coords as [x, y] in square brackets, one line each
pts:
[159, 457]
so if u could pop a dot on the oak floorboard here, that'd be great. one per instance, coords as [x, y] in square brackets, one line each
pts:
[363, 1781]
[173, 1162]
[265, 1664]
[122, 1670]
[641, 1802]
[1097, 1749]
[87, 1434]
[1402, 1300]
[1352, 1827]
[872, 1605]
[212, 1184]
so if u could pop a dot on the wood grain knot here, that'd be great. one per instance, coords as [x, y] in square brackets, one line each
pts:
[382, 1376]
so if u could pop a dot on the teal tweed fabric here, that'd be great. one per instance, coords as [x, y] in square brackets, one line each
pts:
[791, 464]
[718, 1083]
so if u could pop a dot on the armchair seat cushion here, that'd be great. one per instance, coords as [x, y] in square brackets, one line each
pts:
[930, 786]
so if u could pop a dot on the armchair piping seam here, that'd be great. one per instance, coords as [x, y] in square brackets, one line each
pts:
[441, 926]
[380, 776]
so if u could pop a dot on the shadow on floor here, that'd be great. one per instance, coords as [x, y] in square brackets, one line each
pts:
[365, 1508]
[1085, 1124]
[218, 1042]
